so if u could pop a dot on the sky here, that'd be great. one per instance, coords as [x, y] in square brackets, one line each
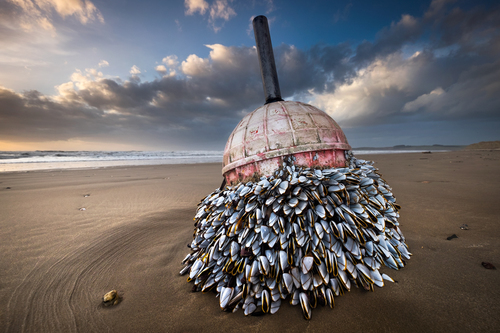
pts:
[180, 75]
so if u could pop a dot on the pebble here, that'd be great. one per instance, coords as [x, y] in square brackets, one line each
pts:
[110, 298]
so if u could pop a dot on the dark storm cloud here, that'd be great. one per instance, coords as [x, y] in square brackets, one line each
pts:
[452, 78]
[389, 40]
[33, 116]
[452, 25]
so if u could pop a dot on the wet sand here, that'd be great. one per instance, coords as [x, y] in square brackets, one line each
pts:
[57, 262]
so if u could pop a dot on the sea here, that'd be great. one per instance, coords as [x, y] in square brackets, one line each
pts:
[55, 160]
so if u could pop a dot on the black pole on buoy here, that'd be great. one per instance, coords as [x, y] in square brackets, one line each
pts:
[266, 59]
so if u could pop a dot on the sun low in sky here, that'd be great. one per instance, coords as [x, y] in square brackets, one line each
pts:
[180, 75]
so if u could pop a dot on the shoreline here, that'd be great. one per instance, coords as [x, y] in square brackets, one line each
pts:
[57, 261]
[85, 165]
[89, 165]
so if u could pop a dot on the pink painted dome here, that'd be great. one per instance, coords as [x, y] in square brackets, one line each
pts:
[256, 146]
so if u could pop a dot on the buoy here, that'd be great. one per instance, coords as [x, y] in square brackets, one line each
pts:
[298, 217]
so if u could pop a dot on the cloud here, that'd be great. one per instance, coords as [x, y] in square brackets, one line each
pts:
[450, 78]
[342, 15]
[469, 29]
[161, 69]
[171, 66]
[389, 40]
[218, 10]
[195, 66]
[92, 105]
[84, 10]
[33, 35]
[28, 20]
[103, 63]
[32, 14]
[474, 94]
[372, 94]
[171, 61]
[381, 96]
[424, 87]
[423, 100]
[436, 7]
[178, 24]
[271, 7]
[194, 6]
[135, 70]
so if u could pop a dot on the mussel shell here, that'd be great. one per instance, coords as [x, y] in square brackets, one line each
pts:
[303, 233]
[304, 303]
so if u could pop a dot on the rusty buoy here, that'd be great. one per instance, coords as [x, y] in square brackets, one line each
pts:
[264, 137]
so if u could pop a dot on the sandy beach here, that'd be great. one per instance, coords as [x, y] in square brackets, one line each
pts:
[57, 261]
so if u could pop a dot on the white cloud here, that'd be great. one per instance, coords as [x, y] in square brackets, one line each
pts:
[33, 35]
[171, 64]
[66, 92]
[218, 10]
[161, 69]
[80, 80]
[220, 53]
[193, 6]
[364, 95]
[178, 24]
[38, 13]
[423, 100]
[135, 70]
[85, 10]
[94, 72]
[165, 71]
[228, 59]
[103, 63]
[171, 61]
[195, 66]
[270, 6]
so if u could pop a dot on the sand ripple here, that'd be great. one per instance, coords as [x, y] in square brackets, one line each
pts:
[62, 294]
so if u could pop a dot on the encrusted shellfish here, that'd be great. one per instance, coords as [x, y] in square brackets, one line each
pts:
[303, 234]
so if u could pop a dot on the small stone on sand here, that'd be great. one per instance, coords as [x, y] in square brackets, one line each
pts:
[110, 298]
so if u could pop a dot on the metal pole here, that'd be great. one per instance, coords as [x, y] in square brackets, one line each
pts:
[266, 60]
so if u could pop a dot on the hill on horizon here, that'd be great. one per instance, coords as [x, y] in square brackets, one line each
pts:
[484, 145]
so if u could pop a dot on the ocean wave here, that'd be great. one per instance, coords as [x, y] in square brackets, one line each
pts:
[51, 156]
[56, 159]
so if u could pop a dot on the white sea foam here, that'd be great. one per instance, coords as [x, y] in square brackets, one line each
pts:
[47, 160]
[376, 151]
[79, 156]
